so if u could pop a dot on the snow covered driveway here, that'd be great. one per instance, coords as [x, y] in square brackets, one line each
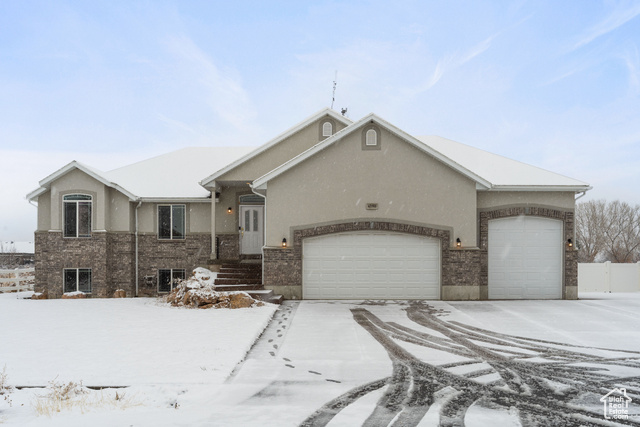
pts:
[435, 363]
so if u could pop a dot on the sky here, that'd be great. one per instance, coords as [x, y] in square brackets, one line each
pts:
[553, 84]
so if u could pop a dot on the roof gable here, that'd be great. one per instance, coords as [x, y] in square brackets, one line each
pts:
[99, 176]
[275, 141]
[261, 182]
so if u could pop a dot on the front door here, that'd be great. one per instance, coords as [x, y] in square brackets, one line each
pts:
[251, 229]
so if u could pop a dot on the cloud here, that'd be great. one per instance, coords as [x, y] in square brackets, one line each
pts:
[620, 16]
[455, 60]
[224, 90]
[632, 61]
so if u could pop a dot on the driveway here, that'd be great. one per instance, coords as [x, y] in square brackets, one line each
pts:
[403, 363]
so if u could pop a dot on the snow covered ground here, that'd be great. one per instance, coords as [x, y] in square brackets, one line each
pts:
[337, 363]
[161, 352]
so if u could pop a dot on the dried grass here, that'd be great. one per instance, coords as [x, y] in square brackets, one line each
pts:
[74, 396]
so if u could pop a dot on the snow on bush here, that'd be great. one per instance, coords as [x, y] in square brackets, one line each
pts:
[198, 291]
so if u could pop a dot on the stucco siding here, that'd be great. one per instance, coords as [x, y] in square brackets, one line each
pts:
[77, 181]
[44, 212]
[119, 211]
[279, 153]
[494, 199]
[227, 222]
[338, 183]
[199, 217]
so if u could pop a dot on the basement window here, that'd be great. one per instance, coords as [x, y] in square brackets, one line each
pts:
[77, 280]
[167, 278]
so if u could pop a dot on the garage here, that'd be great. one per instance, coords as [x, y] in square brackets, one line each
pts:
[525, 258]
[371, 265]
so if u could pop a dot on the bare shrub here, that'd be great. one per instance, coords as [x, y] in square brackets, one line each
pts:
[74, 395]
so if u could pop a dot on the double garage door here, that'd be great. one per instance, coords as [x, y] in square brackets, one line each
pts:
[525, 262]
[371, 265]
[525, 258]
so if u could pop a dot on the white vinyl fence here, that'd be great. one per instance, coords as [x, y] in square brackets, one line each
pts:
[19, 279]
[608, 277]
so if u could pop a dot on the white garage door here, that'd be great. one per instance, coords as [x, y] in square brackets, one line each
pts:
[371, 265]
[525, 258]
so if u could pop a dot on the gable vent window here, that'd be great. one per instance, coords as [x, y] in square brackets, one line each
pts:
[77, 215]
[372, 138]
[327, 129]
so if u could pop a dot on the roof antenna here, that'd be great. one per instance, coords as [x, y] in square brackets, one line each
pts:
[335, 83]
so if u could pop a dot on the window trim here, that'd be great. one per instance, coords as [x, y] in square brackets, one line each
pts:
[378, 135]
[171, 271]
[327, 126]
[322, 123]
[171, 236]
[77, 203]
[77, 272]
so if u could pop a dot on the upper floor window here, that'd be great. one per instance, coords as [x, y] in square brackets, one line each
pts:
[77, 280]
[77, 215]
[171, 221]
[371, 138]
[327, 129]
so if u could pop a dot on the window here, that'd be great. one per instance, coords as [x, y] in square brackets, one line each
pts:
[168, 277]
[171, 221]
[77, 279]
[327, 129]
[251, 198]
[77, 215]
[371, 138]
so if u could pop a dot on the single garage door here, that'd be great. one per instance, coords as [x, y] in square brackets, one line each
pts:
[525, 258]
[371, 265]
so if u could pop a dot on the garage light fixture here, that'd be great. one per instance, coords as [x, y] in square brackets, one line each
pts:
[458, 243]
[569, 243]
[229, 210]
[284, 243]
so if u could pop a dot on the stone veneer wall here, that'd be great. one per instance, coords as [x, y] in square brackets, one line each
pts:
[55, 253]
[111, 258]
[570, 282]
[229, 246]
[154, 254]
[121, 263]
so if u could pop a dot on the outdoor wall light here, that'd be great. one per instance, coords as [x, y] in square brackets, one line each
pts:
[284, 243]
[458, 243]
[569, 243]
[229, 210]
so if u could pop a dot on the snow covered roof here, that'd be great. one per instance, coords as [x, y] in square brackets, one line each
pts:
[100, 176]
[296, 128]
[489, 171]
[173, 175]
[261, 182]
[176, 174]
[503, 173]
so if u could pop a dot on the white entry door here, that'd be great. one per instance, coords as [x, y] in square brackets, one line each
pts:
[371, 265]
[525, 258]
[251, 229]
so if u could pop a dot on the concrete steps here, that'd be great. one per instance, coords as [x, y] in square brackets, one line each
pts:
[246, 277]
